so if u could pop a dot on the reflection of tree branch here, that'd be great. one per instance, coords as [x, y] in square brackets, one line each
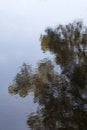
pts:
[62, 102]
[22, 82]
[61, 109]
[68, 43]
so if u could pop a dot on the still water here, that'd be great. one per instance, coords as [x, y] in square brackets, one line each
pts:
[30, 97]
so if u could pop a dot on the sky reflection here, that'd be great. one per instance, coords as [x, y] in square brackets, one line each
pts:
[21, 23]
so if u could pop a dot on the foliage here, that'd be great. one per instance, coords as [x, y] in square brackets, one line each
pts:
[61, 98]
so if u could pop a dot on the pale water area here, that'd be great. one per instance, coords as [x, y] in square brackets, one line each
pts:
[21, 24]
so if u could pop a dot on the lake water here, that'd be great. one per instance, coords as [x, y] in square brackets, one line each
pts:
[21, 24]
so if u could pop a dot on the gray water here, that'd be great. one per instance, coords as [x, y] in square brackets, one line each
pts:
[21, 24]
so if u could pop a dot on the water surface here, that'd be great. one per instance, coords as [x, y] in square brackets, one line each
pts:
[21, 24]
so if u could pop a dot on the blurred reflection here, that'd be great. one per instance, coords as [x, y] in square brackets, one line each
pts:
[61, 98]
[68, 43]
[62, 101]
[22, 82]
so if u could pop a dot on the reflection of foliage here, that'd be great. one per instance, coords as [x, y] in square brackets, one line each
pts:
[62, 102]
[80, 76]
[62, 98]
[45, 77]
[67, 42]
[22, 83]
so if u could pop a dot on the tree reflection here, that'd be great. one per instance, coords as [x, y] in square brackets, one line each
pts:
[22, 82]
[62, 98]
[68, 43]
[62, 102]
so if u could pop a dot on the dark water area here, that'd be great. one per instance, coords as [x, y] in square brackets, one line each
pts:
[43, 65]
